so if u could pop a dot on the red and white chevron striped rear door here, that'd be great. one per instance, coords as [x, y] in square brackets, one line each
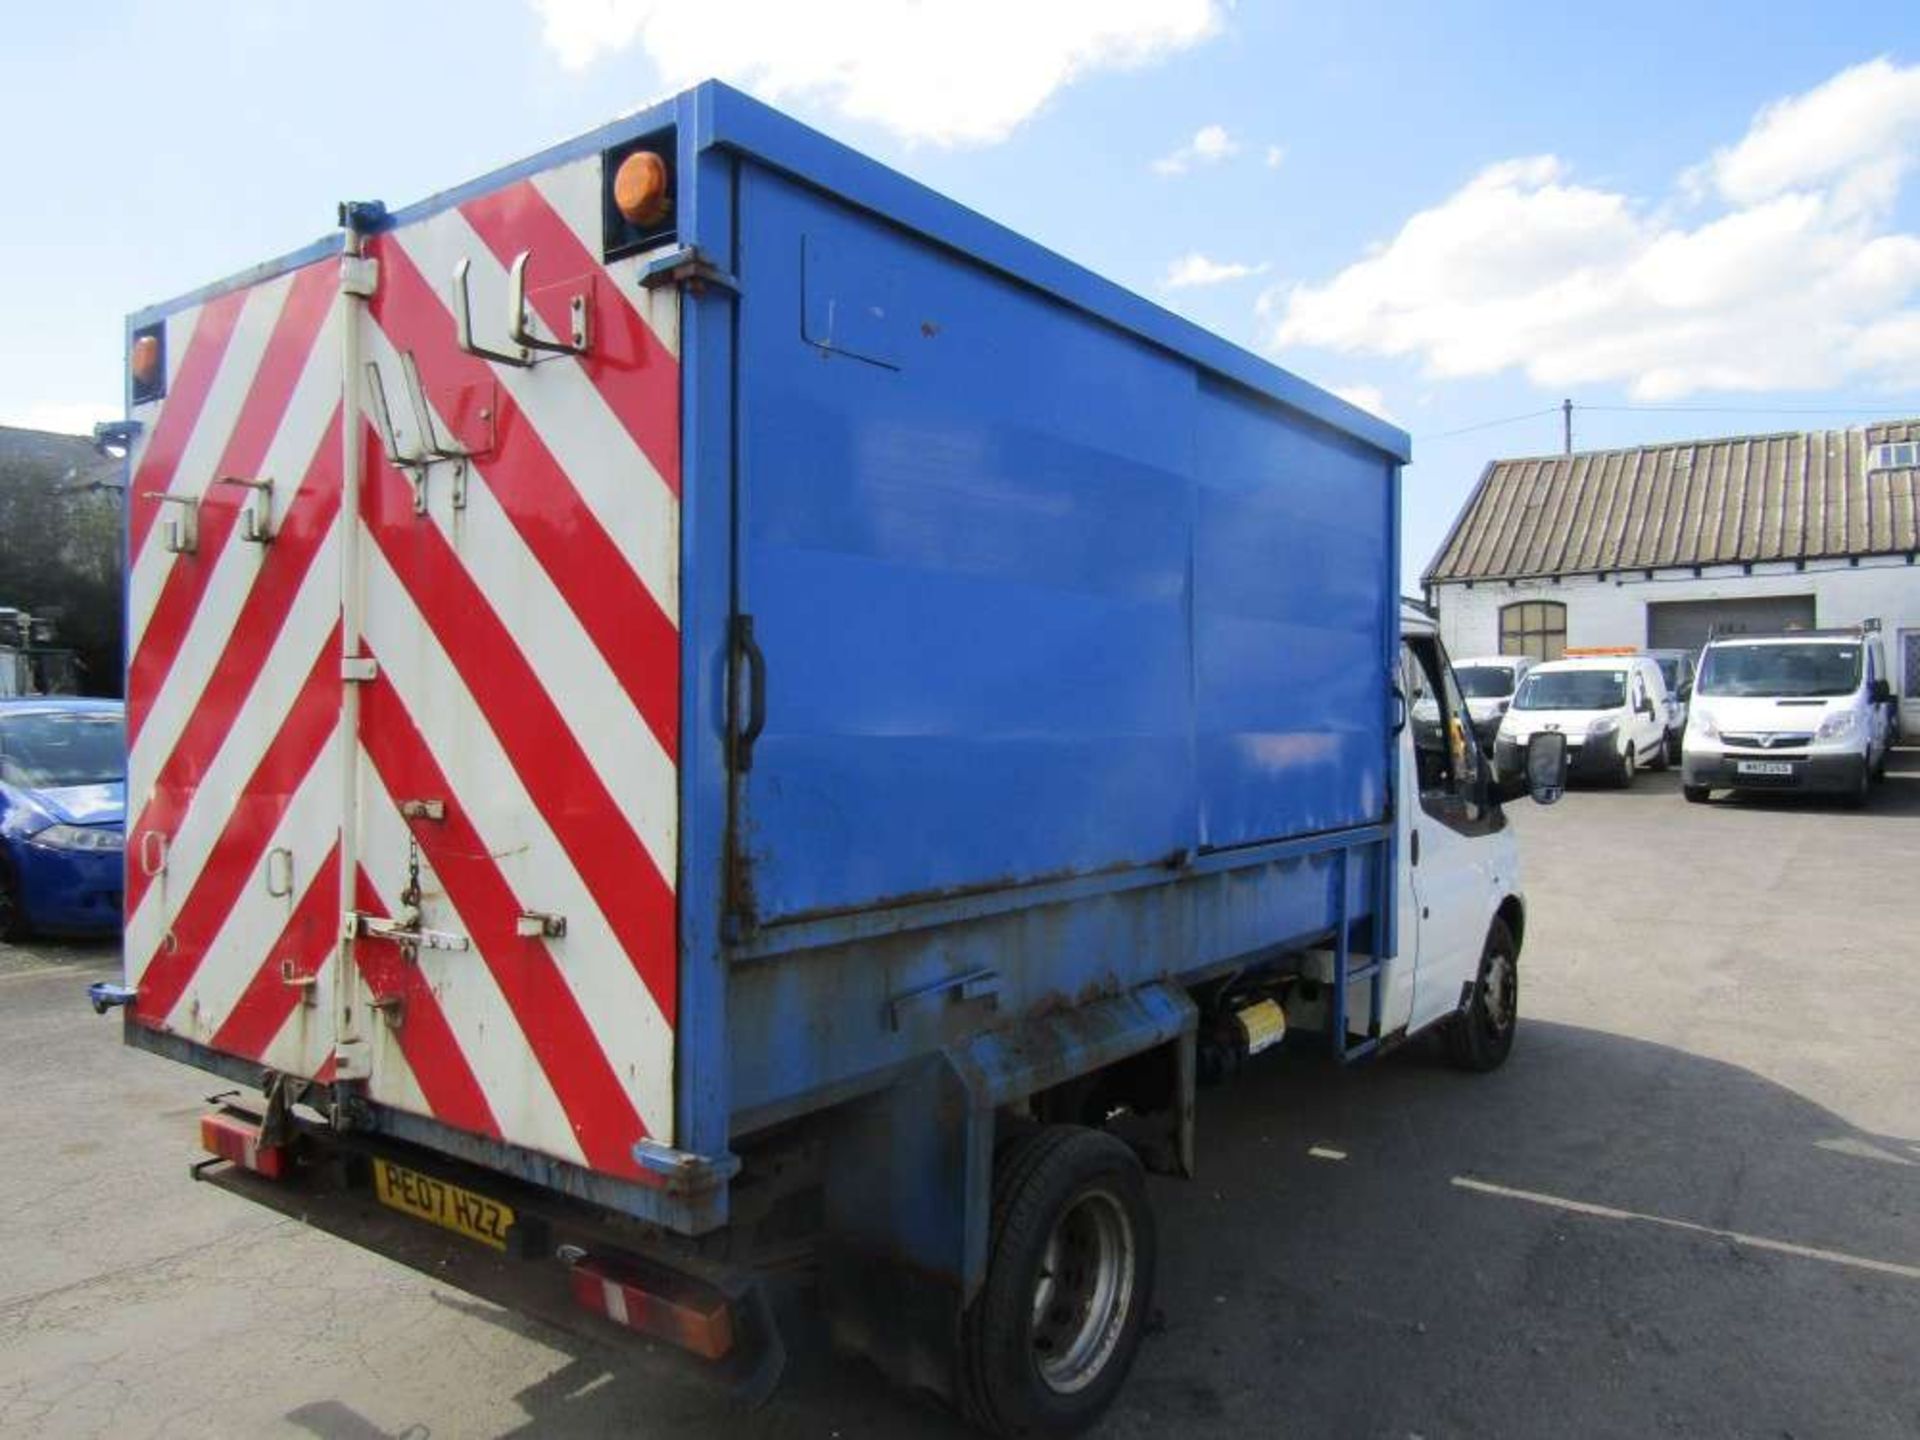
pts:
[500, 779]
[233, 695]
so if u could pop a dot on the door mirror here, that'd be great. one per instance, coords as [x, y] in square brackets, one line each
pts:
[1880, 692]
[1547, 766]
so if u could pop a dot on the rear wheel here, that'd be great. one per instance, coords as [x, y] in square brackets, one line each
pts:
[1048, 1342]
[1696, 794]
[1663, 757]
[1481, 1036]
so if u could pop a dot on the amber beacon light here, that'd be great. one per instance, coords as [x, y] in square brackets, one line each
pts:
[145, 360]
[640, 189]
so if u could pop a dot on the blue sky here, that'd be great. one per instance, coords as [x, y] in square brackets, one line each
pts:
[1456, 214]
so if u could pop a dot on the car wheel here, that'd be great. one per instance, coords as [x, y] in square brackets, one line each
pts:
[1674, 740]
[1624, 777]
[1047, 1343]
[1855, 797]
[1481, 1036]
[1696, 794]
[1664, 755]
[13, 916]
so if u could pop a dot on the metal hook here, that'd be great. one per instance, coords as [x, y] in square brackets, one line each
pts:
[463, 323]
[517, 329]
[256, 520]
[413, 467]
[183, 534]
[429, 437]
[423, 415]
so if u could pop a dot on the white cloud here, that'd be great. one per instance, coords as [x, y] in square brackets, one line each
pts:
[63, 417]
[953, 72]
[1276, 156]
[1801, 280]
[1367, 397]
[1863, 119]
[1210, 145]
[1194, 269]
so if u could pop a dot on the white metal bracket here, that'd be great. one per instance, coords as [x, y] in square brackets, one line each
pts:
[359, 276]
[183, 533]
[359, 669]
[256, 521]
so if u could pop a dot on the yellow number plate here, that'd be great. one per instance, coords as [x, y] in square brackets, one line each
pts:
[437, 1202]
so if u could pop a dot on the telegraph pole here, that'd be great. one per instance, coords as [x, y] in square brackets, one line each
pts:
[1566, 426]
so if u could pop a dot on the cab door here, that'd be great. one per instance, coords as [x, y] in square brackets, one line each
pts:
[1453, 860]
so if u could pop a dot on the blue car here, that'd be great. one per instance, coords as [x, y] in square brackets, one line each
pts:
[63, 802]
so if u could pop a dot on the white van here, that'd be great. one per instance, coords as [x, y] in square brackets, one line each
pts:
[1611, 708]
[1487, 682]
[1803, 710]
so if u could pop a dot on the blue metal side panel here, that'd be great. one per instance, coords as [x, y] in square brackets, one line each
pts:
[968, 570]
[706, 603]
[1291, 551]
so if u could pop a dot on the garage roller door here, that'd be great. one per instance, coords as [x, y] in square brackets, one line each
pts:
[1686, 624]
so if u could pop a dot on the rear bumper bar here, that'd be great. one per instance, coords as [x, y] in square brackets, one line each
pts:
[686, 1194]
[718, 1319]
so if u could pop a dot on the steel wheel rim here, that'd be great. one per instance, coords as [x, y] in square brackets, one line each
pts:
[1083, 1295]
[1497, 990]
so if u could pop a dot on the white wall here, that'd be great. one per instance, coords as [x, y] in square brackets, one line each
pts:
[1614, 611]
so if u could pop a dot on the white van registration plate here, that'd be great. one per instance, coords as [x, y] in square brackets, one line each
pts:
[1763, 767]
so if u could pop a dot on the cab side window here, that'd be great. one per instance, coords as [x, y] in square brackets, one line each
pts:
[1445, 755]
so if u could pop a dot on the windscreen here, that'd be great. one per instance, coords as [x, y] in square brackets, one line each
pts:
[1572, 690]
[1670, 672]
[47, 751]
[1780, 670]
[1484, 682]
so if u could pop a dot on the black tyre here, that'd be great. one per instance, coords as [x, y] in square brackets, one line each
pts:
[1696, 794]
[1664, 756]
[1855, 797]
[1481, 1036]
[1623, 777]
[13, 919]
[1675, 738]
[1048, 1342]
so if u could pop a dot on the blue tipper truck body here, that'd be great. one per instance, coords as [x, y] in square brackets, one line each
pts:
[1038, 658]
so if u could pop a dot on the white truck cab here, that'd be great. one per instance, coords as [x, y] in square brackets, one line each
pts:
[1611, 708]
[1802, 710]
[1461, 909]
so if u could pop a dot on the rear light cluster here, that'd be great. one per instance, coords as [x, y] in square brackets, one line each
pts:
[234, 1136]
[668, 1307]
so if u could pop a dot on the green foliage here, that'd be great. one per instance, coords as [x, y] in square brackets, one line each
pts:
[61, 545]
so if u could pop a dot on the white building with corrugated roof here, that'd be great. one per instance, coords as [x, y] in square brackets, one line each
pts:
[1663, 545]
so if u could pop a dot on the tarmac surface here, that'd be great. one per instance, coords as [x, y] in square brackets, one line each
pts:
[1689, 1205]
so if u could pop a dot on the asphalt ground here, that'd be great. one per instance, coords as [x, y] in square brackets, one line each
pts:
[1689, 1205]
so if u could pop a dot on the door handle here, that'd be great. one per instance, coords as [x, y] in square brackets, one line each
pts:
[1413, 847]
[748, 649]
